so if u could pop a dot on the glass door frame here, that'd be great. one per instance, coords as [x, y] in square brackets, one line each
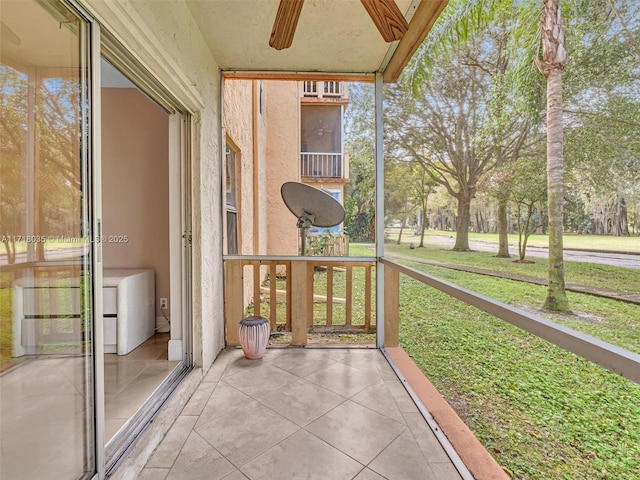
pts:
[106, 46]
[107, 457]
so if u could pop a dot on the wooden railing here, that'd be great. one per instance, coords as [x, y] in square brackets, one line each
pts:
[301, 295]
[294, 296]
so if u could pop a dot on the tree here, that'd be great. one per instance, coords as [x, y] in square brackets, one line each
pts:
[523, 185]
[422, 187]
[398, 191]
[496, 26]
[441, 129]
[462, 23]
[551, 65]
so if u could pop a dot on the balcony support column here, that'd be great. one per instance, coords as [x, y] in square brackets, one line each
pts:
[301, 301]
[391, 306]
[234, 307]
[380, 277]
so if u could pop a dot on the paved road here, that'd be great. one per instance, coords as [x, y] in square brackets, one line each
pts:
[614, 259]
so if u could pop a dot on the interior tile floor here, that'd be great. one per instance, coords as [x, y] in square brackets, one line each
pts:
[43, 399]
[130, 379]
[326, 414]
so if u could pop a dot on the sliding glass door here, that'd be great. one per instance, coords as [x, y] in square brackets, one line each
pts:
[47, 416]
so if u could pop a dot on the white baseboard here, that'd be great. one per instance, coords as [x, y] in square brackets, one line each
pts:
[175, 350]
[162, 325]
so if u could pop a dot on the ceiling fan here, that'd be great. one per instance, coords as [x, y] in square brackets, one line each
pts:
[385, 15]
[322, 129]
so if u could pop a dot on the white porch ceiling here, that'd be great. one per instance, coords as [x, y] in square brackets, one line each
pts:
[335, 36]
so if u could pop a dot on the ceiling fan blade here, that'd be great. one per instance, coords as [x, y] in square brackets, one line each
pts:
[284, 25]
[388, 18]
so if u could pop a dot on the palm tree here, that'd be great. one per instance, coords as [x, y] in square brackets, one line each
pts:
[553, 60]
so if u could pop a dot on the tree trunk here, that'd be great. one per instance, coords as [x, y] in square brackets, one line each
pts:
[551, 65]
[503, 231]
[556, 295]
[423, 224]
[622, 223]
[404, 224]
[462, 222]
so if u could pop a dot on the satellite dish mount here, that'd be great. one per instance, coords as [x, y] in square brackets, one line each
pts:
[305, 222]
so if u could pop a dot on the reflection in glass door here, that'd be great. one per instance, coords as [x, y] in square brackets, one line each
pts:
[46, 322]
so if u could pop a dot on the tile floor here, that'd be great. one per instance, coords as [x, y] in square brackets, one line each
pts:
[43, 400]
[130, 379]
[326, 414]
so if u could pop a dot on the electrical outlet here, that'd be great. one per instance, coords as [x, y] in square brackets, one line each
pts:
[163, 303]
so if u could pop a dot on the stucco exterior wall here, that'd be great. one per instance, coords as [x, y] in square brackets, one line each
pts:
[165, 38]
[261, 166]
[282, 111]
[238, 123]
[238, 127]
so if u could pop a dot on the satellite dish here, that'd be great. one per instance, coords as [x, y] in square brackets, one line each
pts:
[312, 207]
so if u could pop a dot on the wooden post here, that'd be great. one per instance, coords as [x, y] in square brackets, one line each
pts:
[273, 300]
[391, 306]
[233, 293]
[301, 299]
[289, 290]
[330, 295]
[367, 298]
[349, 295]
[257, 303]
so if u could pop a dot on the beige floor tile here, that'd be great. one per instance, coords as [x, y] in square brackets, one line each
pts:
[236, 475]
[368, 474]
[341, 379]
[251, 414]
[426, 439]
[199, 399]
[385, 370]
[153, 474]
[40, 407]
[198, 460]
[246, 432]
[302, 456]
[117, 375]
[237, 363]
[112, 425]
[303, 362]
[403, 460]
[256, 382]
[399, 393]
[223, 401]
[219, 367]
[165, 455]
[301, 402]
[357, 431]
[377, 397]
[361, 360]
